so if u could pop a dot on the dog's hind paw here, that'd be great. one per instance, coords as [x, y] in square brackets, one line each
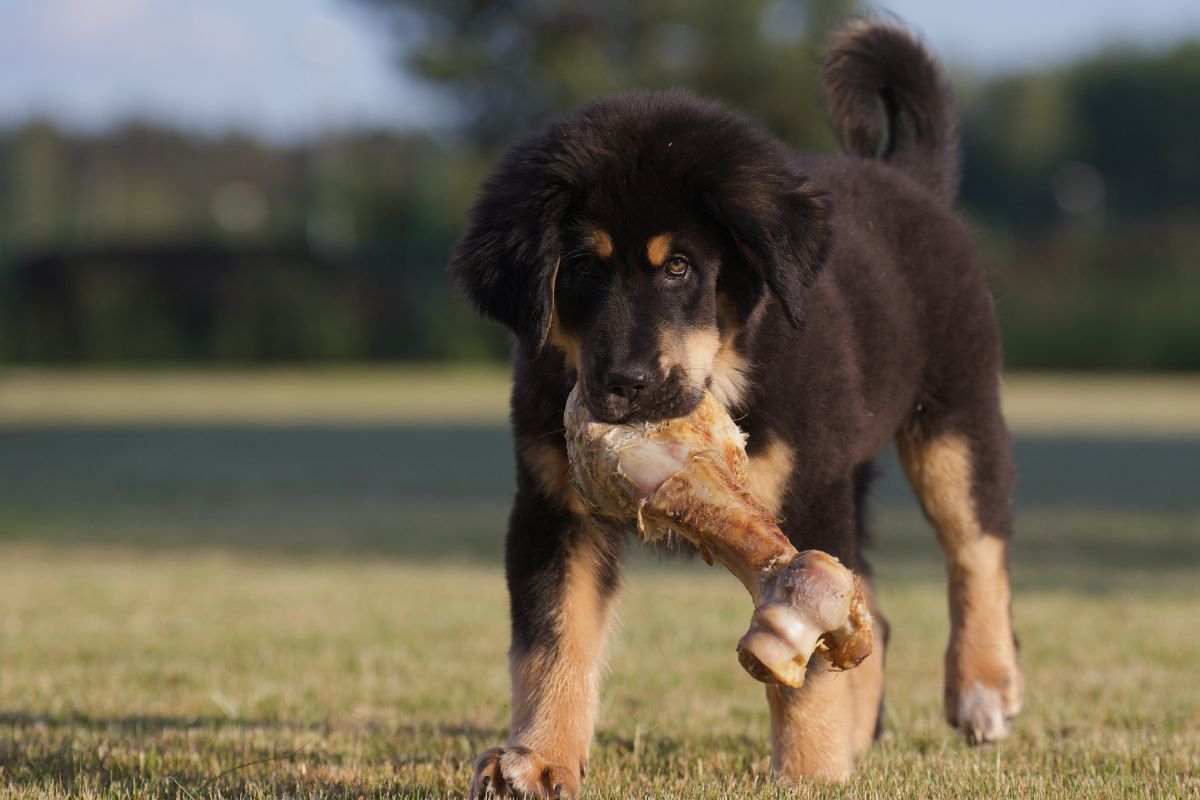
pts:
[984, 686]
[981, 716]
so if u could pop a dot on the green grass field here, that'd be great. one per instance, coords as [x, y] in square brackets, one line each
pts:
[289, 585]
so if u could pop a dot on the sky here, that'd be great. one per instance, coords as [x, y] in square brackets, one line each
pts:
[286, 69]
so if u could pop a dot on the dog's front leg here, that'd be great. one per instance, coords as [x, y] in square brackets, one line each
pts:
[821, 729]
[562, 574]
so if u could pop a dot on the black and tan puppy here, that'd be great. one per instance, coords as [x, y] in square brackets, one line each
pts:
[655, 245]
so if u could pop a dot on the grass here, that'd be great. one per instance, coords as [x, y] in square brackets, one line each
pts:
[219, 607]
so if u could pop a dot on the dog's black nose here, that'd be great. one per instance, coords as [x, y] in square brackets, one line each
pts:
[626, 382]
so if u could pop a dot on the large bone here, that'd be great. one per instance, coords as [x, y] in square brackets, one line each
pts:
[687, 476]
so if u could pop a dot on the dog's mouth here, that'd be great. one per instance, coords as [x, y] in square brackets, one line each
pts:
[671, 399]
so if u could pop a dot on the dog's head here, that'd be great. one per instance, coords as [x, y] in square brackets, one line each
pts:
[642, 237]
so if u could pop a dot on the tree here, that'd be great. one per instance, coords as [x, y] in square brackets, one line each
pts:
[508, 66]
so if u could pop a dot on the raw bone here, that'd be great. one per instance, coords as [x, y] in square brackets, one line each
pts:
[688, 476]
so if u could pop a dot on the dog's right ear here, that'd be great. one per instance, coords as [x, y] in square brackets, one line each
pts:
[507, 259]
[780, 225]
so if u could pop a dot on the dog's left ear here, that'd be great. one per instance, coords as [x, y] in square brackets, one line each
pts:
[507, 260]
[781, 227]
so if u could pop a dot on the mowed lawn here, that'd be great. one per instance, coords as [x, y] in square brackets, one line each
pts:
[288, 584]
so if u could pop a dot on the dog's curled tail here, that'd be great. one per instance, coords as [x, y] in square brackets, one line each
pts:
[890, 100]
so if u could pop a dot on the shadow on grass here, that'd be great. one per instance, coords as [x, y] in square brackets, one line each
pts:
[143, 723]
[442, 493]
[164, 755]
[150, 724]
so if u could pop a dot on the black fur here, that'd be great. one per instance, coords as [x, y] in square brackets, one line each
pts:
[507, 269]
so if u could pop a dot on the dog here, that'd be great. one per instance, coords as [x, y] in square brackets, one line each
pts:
[654, 246]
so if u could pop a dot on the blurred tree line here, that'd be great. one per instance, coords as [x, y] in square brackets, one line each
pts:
[145, 243]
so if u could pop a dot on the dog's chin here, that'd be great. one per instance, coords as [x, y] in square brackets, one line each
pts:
[655, 408]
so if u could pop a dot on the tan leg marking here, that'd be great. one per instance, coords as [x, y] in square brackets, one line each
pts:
[658, 248]
[941, 472]
[548, 463]
[821, 729]
[770, 475]
[556, 690]
[983, 682]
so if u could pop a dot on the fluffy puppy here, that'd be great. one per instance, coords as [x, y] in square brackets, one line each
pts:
[654, 245]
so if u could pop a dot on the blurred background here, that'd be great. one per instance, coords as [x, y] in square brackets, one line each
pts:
[280, 182]
[245, 425]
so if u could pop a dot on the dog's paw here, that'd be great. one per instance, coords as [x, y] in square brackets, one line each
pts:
[979, 714]
[983, 711]
[984, 686]
[520, 772]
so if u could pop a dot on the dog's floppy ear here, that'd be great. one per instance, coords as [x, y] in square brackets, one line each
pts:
[781, 228]
[507, 259]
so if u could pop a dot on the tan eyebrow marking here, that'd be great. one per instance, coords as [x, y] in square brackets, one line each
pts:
[601, 242]
[658, 248]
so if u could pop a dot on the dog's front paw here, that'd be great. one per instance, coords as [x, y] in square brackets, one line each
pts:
[520, 772]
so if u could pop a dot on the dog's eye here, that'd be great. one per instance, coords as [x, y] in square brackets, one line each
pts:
[677, 266]
[578, 265]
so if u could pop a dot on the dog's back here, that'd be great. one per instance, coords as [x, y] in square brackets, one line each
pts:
[901, 308]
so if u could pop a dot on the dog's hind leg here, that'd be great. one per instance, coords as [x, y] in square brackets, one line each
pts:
[562, 575]
[957, 455]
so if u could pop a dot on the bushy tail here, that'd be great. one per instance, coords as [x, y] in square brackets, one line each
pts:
[890, 100]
